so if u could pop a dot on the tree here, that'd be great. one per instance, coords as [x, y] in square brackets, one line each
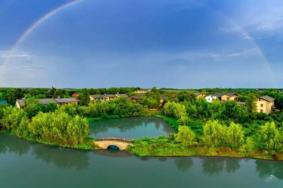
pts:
[15, 120]
[269, 138]
[84, 97]
[59, 128]
[235, 136]
[186, 96]
[174, 109]
[185, 135]
[52, 93]
[214, 134]
[32, 107]
[250, 102]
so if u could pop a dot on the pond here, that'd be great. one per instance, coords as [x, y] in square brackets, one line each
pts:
[130, 128]
[23, 164]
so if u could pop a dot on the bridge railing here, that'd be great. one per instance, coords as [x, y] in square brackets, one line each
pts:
[114, 139]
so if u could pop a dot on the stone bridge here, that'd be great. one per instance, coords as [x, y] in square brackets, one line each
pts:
[105, 143]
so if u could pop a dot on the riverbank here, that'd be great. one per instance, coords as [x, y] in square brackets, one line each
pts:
[86, 146]
[164, 147]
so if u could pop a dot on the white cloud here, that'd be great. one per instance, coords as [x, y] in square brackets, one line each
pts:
[13, 54]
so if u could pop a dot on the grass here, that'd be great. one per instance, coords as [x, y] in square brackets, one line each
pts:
[167, 147]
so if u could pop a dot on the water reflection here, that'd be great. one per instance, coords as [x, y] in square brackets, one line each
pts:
[213, 166]
[62, 158]
[183, 163]
[13, 145]
[267, 169]
[130, 127]
[79, 160]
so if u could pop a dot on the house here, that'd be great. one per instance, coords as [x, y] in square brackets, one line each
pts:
[265, 104]
[3, 102]
[20, 103]
[211, 98]
[199, 95]
[228, 97]
[62, 101]
[106, 97]
[75, 95]
[222, 97]
[141, 91]
[136, 98]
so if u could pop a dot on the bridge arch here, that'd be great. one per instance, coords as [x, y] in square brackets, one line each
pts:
[108, 143]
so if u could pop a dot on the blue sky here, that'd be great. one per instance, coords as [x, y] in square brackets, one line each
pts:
[163, 43]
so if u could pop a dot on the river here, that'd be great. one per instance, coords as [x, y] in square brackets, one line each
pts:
[24, 164]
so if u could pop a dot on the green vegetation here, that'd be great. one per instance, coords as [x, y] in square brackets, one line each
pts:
[57, 127]
[218, 128]
[217, 140]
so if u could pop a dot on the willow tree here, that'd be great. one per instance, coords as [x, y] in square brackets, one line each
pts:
[235, 136]
[269, 138]
[185, 135]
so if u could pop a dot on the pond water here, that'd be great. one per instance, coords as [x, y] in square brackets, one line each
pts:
[23, 164]
[130, 128]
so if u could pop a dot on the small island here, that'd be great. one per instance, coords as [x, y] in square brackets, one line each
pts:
[244, 123]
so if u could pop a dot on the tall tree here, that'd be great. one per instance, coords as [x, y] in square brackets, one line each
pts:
[84, 97]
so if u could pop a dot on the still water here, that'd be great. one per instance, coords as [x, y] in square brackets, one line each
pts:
[26, 165]
[130, 128]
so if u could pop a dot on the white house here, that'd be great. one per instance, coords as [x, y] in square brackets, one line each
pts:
[211, 98]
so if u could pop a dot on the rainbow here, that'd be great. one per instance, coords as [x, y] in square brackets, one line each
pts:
[55, 11]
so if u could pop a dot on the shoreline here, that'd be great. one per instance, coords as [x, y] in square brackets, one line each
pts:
[93, 148]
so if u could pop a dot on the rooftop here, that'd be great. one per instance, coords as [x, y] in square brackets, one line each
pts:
[267, 98]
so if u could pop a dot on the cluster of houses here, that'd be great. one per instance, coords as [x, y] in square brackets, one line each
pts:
[106, 97]
[20, 103]
[264, 104]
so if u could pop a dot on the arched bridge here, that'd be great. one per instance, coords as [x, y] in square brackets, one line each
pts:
[106, 143]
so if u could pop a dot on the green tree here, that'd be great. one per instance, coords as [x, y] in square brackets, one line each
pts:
[59, 128]
[185, 135]
[269, 138]
[84, 97]
[174, 109]
[250, 102]
[235, 136]
[12, 117]
[214, 134]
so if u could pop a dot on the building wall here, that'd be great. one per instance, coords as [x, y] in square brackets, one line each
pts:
[18, 105]
[263, 106]
[228, 98]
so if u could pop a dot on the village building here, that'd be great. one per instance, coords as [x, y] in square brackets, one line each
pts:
[141, 91]
[75, 95]
[199, 95]
[211, 98]
[228, 97]
[106, 97]
[62, 101]
[20, 103]
[221, 97]
[265, 104]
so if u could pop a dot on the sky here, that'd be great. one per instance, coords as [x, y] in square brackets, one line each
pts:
[124, 43]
